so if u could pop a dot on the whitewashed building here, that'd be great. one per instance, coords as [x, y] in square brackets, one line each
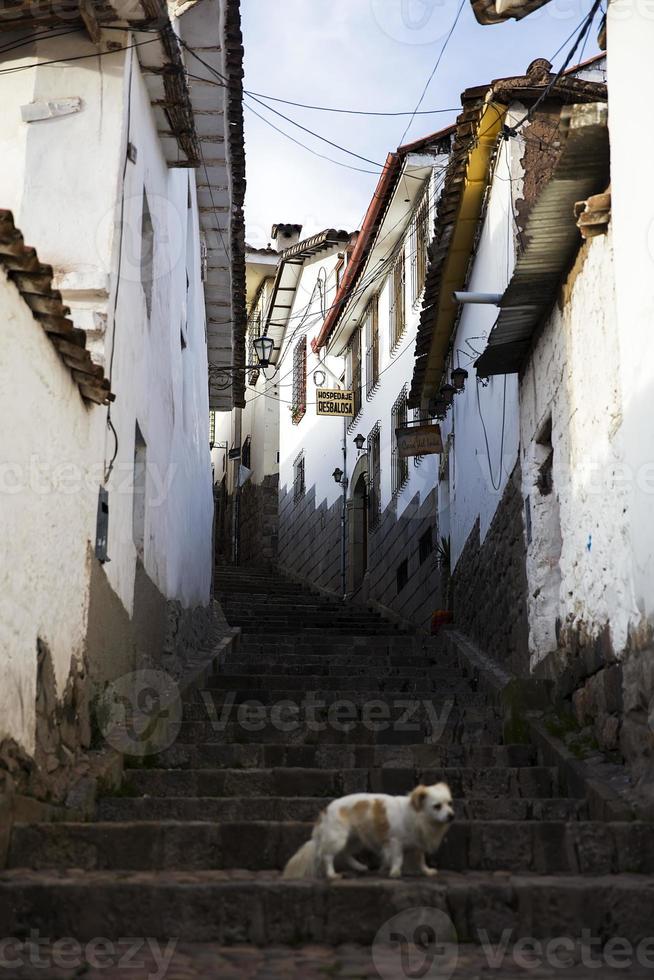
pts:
[128, 177]
[615, 612]
[246, 485]
[490, 187]
[372, 535]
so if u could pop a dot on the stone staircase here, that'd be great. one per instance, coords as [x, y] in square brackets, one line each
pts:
[192, 845]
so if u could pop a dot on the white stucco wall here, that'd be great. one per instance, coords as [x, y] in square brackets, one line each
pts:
[573, 376]
[48, 500]
[477, 472]
[67, 201]
[629, 48]
[321, 439]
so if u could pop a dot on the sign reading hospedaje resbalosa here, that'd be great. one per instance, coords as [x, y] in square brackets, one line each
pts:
[333, 401]
[418, 440]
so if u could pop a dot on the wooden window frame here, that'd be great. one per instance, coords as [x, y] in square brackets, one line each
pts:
[374, 477]
[397, 300]
[399, 465]
[299, 405]
[372, 346]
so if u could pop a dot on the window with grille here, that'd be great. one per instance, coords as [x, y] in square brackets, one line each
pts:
[402, 575]
[299, 406]
[397, 313]
[372, 346]
[420, 246]
[374, 476]
[298, 477]
[399, 466]
[354, 380]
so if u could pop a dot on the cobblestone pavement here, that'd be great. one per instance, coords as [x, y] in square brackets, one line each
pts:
[318, 962]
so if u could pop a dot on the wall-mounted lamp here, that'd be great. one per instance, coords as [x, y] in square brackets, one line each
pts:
[438, 407]
[338, 475]
[263, 348]
[359, 441]
[458, 377]
[447, 393]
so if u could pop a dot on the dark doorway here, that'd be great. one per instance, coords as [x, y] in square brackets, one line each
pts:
[359, 533]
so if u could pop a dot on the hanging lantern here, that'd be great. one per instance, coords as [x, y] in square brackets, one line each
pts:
[263, 348]
[359, 441]
[447, 393]
[458, 377]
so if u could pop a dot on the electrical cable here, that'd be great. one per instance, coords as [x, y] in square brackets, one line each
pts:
[434, 69]
[114, 324]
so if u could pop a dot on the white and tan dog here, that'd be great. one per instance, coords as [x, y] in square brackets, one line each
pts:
[386, 825]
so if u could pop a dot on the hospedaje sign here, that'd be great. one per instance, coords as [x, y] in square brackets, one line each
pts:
[418, 440]
[334, 402]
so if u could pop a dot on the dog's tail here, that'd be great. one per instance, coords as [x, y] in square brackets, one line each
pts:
[304, 862]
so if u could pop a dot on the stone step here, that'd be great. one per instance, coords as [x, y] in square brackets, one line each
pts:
[334, 756]
[248, 723]
[305, 809]
[280, 644]
[464, 781]
[336, 665]
[408, 705]
[310, 629]
[544, 847]
[340, 683]
[242, 907]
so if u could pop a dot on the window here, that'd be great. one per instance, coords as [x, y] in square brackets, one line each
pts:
[354, 369]
[372, 346]
[147, 253]
[299, 406]
[399, 465]
[425, 546]
[396, 299]
[246, 454]
[420, 246]
[298, 477]
[374, 477]
[402, 575]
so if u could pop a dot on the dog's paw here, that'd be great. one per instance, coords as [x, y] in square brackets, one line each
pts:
[335, 876]
[430, 872]
[395, 873]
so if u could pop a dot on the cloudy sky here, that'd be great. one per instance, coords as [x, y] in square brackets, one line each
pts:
[370, 55]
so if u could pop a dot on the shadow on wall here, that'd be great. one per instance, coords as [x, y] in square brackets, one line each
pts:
[399, 569]
[489, 583]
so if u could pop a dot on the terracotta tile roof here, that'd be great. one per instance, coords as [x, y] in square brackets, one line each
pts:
[34, 282]
[371, 224]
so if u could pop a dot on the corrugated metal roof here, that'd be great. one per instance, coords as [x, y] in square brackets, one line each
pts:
[431, 342]
[552, 239]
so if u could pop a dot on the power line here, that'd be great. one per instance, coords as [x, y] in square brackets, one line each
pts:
[350, 112]
[434, 69]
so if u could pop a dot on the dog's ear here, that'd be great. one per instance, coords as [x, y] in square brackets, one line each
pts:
[418, 797]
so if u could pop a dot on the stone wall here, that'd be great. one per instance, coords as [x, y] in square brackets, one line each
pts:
[489, 584]
[259, 521]
[310, 547]
[310, 539]
[393, 541]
